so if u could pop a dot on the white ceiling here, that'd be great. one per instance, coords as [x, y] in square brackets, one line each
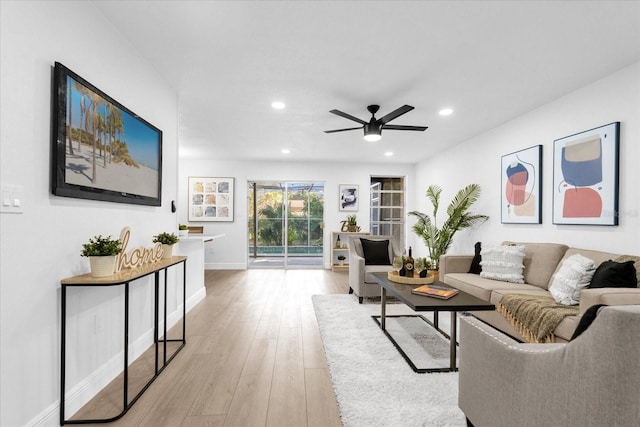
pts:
[490, 61]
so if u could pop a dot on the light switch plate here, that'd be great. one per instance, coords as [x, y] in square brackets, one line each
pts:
[12, 199]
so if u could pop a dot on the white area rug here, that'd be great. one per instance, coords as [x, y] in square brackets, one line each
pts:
[374, 385]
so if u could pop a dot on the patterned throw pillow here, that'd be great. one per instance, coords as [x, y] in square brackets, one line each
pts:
[574, 274]
[503, 263]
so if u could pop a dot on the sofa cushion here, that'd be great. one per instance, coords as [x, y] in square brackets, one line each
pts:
[483, 288]
[376, 252]
[476, 268]
[574, 274]
[611, 274]
[502, 263]
[497, 294]
[635, 259]
[586, 320]
[597, 256]
[540, 261]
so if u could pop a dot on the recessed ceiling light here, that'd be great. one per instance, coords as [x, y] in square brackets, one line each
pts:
[285, 151]
[446, 111]
[389, 153]
[278, 105]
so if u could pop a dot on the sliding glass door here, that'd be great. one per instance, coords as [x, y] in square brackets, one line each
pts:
[285, 224]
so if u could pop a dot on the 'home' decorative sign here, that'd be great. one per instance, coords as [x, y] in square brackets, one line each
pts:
[136, 256]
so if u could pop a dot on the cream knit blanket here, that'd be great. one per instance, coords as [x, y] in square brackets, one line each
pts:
[534, 317]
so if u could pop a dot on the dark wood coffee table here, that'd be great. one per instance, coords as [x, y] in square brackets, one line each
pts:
[459, 303]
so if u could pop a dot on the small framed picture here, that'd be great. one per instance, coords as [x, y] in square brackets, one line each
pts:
[210, 199]
[349, 196]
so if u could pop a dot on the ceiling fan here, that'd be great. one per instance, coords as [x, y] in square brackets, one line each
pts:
[373, 128]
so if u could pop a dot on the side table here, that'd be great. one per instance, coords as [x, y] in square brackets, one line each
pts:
[124, 278]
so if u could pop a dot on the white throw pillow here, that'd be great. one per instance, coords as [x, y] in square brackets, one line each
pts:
[574, 274]
[503, 263]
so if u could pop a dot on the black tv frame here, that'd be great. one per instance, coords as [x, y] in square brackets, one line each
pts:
[60, 184]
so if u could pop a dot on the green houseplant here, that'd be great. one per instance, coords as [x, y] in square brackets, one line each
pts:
[438, 239]
[102, 253]
[167, 240]
[352, 223]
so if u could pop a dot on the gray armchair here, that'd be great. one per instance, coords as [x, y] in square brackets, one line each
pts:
[593, 380]
[360, 281]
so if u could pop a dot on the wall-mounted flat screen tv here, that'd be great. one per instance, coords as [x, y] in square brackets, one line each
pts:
[101, 149]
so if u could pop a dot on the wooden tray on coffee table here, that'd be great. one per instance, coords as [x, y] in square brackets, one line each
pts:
[416, 280]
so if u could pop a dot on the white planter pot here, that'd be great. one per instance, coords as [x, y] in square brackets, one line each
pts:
[167, 251]
[102, 266]
[183, 232]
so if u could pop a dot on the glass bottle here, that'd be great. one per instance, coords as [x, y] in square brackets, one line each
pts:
[409, 264]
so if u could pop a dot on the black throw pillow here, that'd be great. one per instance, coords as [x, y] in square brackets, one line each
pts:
[476, 268]
[376, 252]
[587, 319]
[611, 274]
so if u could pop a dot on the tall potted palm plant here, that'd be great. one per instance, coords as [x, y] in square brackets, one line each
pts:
[438, 239]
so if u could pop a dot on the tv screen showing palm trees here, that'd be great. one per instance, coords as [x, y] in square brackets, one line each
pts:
[101, 149]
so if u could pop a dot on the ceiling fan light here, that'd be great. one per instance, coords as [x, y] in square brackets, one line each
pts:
[372, 131]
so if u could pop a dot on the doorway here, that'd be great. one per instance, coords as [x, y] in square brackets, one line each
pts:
[285, 224]
[387, 208]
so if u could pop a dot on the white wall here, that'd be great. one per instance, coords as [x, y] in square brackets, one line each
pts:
[478, 160]
[42, 246]
[231, 250]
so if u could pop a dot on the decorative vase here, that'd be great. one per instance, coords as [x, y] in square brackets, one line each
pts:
[423, 273]
[434, 273]
[352, 228]
[183, 232]
[341, 262]
[102, 266]
[167, 251]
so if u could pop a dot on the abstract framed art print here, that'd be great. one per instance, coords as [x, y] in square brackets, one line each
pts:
[210, 199]
[585, 177]
[521, 199]
[349, 197]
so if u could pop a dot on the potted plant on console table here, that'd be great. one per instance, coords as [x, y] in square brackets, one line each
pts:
[167, 240]
[102, 253]
[438, 239]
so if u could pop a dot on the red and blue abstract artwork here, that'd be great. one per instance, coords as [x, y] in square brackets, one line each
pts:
[522, 179]
[586, 177]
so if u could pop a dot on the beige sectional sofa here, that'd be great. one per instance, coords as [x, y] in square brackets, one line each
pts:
[541, 261]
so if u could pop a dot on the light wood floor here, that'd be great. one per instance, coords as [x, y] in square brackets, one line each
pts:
[253, 358]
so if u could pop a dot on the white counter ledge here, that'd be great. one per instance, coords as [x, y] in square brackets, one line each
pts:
[202, 237]
[193, 247]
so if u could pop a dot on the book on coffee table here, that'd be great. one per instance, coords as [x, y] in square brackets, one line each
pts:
[435, 291]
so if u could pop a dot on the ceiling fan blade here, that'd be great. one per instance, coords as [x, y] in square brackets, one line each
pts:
[341, 130]
[395, 113]
[401, 127]
[348, 116]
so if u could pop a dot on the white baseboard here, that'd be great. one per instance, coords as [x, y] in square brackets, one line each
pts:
[196, 298]
[84, 391]
[225, 266]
